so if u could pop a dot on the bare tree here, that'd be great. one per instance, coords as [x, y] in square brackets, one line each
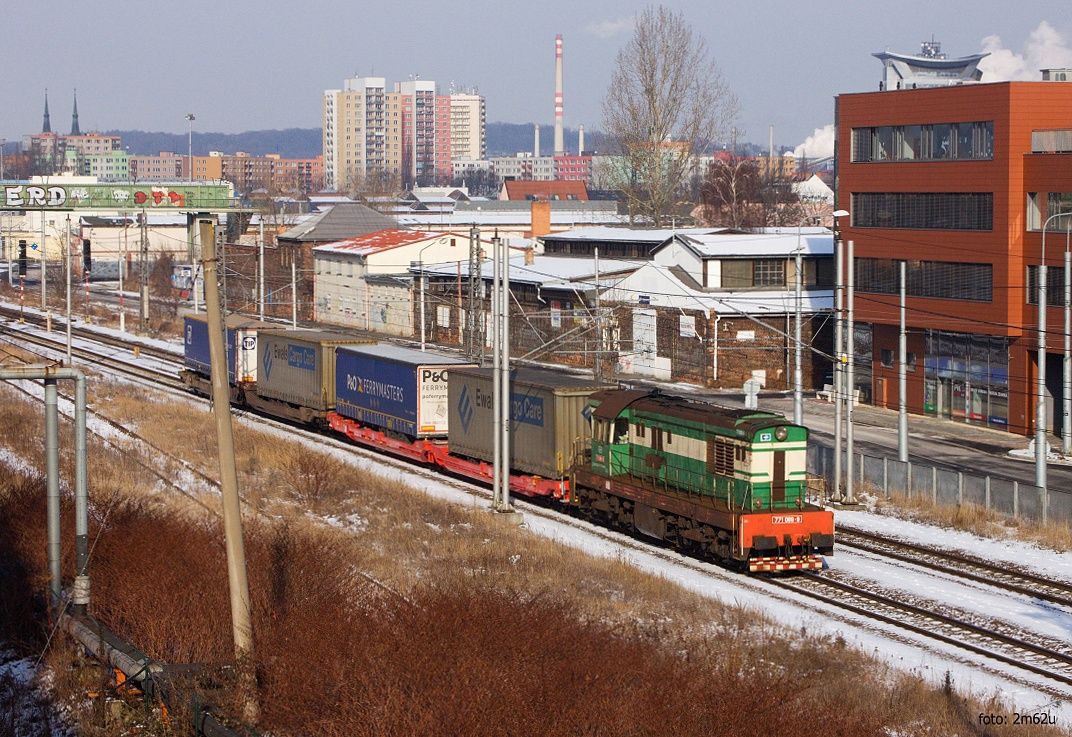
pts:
[738, 193]
[666, 102]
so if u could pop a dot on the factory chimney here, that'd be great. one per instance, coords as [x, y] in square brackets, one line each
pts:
[560, 149]
[580, 140]
[536, 139]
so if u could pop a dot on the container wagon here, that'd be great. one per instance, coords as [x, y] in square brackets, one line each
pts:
[296, 374]
[240, 343]
[547, 421]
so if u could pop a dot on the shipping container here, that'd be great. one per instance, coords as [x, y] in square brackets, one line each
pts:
[393, 388]
[547, 417]
[298, 367]
[241, 346]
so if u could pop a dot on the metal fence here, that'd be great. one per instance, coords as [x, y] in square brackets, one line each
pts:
[888, 476]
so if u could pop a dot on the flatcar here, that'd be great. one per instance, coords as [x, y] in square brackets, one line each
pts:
[723, 482]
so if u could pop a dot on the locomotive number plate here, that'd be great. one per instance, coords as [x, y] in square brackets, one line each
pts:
[787, 519]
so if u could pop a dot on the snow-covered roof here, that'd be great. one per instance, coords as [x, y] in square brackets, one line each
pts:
[657, 286]
[750, 245]
[461, 219]
[546, 271]
[628, 235]
[381, 240]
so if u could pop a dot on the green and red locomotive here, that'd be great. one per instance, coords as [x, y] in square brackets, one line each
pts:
[727, 483]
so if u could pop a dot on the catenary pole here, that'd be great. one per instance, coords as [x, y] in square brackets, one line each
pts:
[599, 324]
[143, 259]
[1066, 388]
[798, 370]
[902, 377]
[1040, 403]
[496, 353]
[260, 271]
[67, 251]
[850, 389]
[294, 291]
[44, 277]
[839, 357]
[504, 505]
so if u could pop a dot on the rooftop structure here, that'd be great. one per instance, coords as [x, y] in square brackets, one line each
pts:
[930, 68]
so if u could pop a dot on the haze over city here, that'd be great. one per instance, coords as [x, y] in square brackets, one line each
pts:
[241, 68]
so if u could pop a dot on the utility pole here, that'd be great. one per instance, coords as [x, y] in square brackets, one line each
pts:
[504, 502]
[143, 260]
[599, 325]
[294, 289]
[902, 376]
[850, 393]
[44, 278]
[221, 244]
[68, 252]
[475, 306]
[496, 358]
[1066, 376]
[798, 371]
[122, 268]
[260, 272]
[839, 358]
[238, 584]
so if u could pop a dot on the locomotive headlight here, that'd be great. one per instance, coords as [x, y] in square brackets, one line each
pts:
[781, 433]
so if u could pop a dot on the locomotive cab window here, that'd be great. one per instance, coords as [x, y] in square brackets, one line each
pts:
[621, 430]
[639, 430]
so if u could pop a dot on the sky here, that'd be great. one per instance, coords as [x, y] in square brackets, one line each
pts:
[243, 65]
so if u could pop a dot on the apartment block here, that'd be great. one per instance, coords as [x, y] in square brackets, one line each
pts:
[408, 135]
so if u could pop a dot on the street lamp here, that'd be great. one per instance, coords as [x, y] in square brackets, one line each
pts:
[420, 262]
[1040, 400]
[190, 118]
[2, 142]
[839, 355]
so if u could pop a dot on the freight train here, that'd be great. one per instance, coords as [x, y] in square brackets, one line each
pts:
[722, 483]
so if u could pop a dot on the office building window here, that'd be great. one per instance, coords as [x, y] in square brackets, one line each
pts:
[931, 279]
[923, 210]
[934, 142]
[1055, 285]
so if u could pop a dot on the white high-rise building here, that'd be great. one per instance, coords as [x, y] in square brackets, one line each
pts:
[468, 124]
[361, 133]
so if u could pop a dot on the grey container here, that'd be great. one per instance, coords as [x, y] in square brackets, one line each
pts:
[298, 366]
[546, 419]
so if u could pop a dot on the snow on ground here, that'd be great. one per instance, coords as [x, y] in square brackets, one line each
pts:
[904, 651]
[1049, 563]
[25, 706]
[173, 345]
[1029, 614]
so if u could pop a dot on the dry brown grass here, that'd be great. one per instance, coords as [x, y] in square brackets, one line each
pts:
[976, 519]
[417, 616]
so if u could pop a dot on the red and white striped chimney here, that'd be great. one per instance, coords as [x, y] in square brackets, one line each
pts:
[560, 148]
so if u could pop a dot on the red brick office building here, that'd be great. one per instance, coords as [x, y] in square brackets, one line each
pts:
[958, 181]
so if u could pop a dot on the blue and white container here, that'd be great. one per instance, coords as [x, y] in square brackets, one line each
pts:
[400, 390]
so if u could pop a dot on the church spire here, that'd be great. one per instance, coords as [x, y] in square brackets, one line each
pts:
[46, 126]
[74, 117]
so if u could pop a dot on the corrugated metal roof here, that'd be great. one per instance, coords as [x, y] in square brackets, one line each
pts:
[342, 221]
[412, 356]
[545, 189]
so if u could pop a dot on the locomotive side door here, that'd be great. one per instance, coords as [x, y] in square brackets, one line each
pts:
[778, 478]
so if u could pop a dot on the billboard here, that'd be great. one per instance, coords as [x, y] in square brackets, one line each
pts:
[152, 196]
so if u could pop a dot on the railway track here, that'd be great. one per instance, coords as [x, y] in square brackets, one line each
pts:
[170, 379]
[58, 323]
[959, 565]
[1001, 648]
[1006, 649]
